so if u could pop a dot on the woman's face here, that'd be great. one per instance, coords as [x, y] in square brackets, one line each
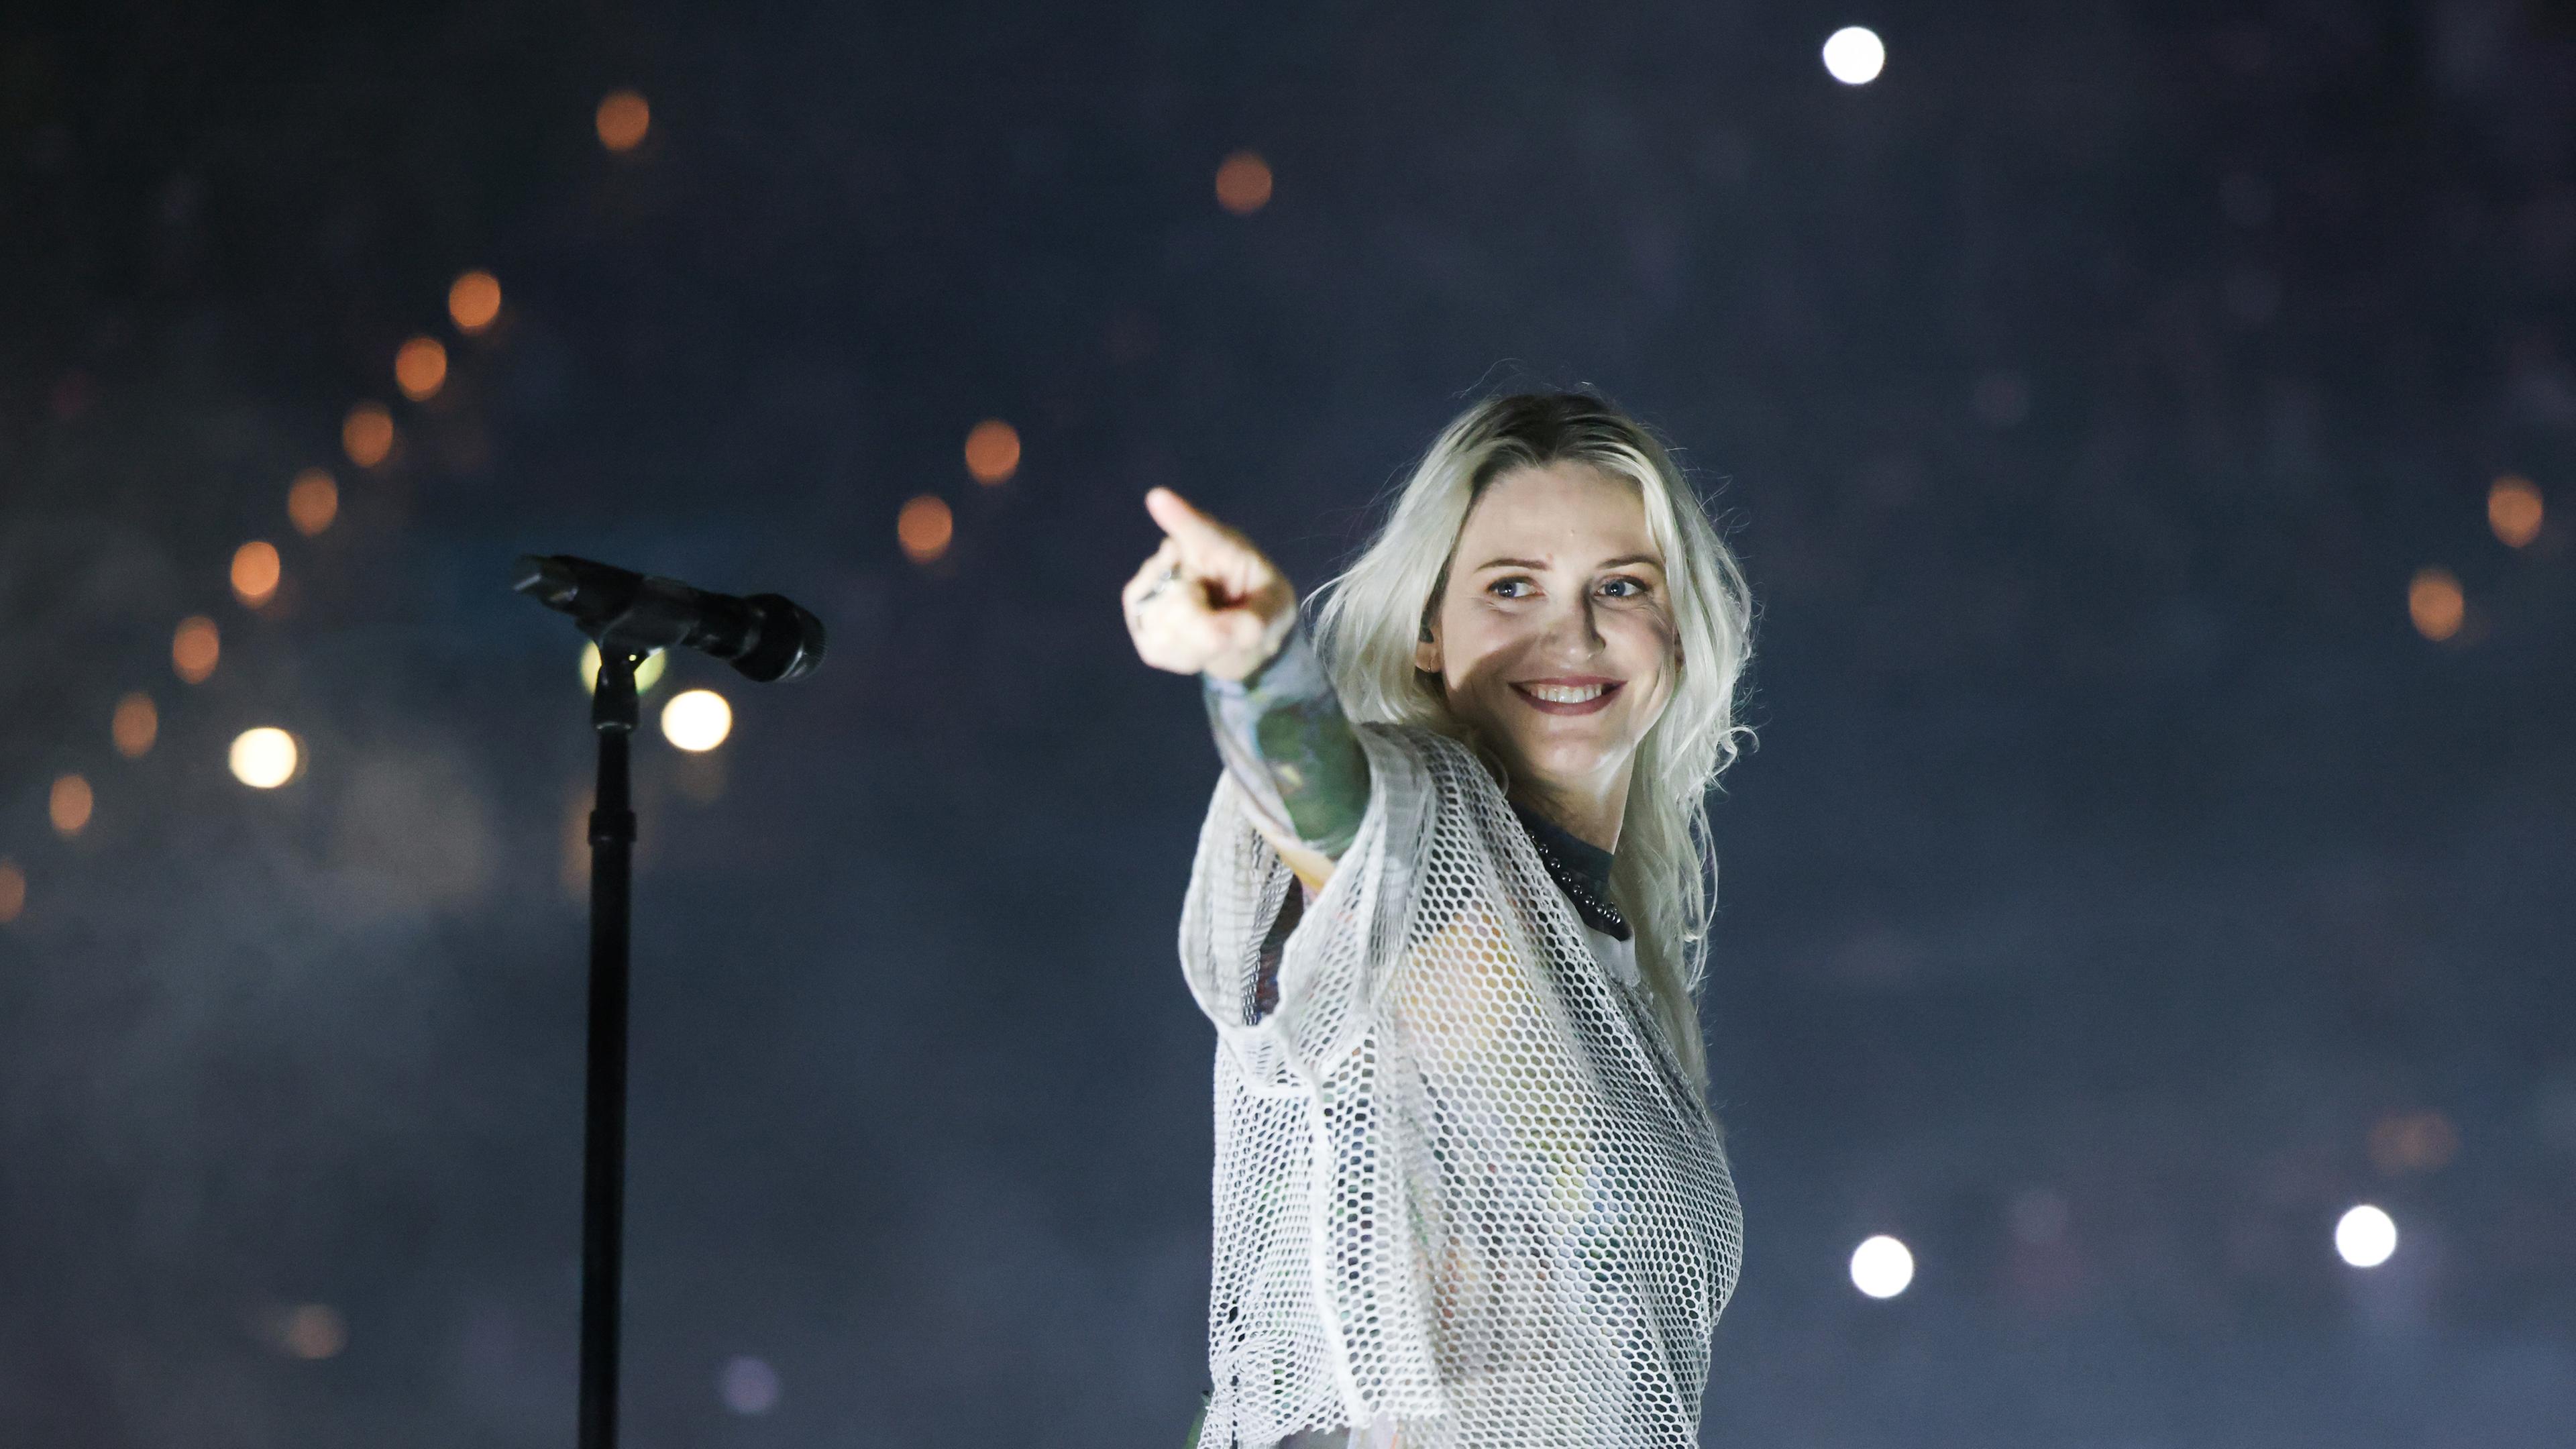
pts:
[1554, 635]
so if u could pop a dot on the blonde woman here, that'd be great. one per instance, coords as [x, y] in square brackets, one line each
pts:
[1449, 913]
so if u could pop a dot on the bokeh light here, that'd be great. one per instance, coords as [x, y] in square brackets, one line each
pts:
[135, 725]
[1243, 183]
[623, 118]
[2434, 602]
[312, 501]
[697, 719]
[2039, 1215]
[255, 572]
[748, 1386]
[2413, 1142]
[194, 647]
[573, 873]
[1855, 55]
[420, 368]
[1881, 1266]
[13, 891]
[473, 301]
[924, 528]
[993, 451]
[2365, 1237]
[69, 804]
[264, 758]
[314, 1331]
[647, 674]
[367, 434]
[2513, 510]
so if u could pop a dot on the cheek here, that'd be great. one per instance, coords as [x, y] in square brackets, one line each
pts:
[1473, 642]
[1643, 640]
[1643, 646]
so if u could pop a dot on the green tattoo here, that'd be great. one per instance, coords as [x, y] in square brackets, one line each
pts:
[1286, 741]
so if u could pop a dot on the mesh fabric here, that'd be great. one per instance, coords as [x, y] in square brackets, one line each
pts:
[1460, 1176]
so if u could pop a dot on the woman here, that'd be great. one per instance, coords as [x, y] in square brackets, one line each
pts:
[1449, 914]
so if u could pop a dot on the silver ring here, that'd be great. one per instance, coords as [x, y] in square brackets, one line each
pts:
[1170, 573]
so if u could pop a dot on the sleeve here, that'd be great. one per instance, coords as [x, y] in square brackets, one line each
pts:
[1337, 962]
[1285, 740]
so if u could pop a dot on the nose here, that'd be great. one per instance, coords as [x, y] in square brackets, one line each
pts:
[1576, 627]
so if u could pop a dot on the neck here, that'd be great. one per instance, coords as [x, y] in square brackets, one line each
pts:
[1591, 814]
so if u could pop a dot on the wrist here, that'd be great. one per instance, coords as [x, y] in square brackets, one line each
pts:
[1240, 666]
[1291, 665]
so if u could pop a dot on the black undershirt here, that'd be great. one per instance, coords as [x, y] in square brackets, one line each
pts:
[1579, 868]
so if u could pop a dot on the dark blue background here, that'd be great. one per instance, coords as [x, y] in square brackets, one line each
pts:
[2081, 396]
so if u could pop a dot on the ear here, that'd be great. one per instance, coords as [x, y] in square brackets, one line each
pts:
[1426, 650]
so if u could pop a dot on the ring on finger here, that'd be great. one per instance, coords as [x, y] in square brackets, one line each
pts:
[1162, 582]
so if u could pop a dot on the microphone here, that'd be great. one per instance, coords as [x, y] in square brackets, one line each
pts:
[766, 637]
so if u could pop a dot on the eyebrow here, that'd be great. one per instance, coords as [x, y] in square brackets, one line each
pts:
[1533, 563]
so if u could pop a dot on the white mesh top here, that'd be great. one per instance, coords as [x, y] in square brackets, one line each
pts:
[1461, 1180]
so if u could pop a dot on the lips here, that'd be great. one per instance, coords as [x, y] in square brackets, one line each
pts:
[1587, 694]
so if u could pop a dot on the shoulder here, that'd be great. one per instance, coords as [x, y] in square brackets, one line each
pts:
[1445, 811]
[1443, 765]
[1441, 777]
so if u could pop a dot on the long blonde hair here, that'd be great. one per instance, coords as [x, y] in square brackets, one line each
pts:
[1370, 615]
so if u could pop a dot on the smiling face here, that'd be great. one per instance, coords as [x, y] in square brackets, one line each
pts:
[1554, 637]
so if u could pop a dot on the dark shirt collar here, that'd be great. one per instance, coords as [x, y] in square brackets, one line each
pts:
[1579, 866]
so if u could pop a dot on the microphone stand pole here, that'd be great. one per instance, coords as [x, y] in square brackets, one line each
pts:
[628, 615]
[603, 1184]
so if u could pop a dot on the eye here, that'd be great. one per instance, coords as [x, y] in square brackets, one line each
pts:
[1624, 587]
[1510, 588]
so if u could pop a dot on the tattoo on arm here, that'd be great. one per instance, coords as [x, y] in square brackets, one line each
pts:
[1287, 743]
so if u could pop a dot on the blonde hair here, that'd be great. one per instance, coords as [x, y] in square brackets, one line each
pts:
[1370, 615]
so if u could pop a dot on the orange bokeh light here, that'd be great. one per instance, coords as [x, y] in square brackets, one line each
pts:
[993, 451]
[2434, 601]
[255, 572]
[473, 301]
[2513, 510]
[13, 891]
[69, 804]
[135, 725]
[314, 1331]
[1243, 183]
[924, 528]
[574, 838]
[313, 501]
[194, 649]
[623, 119]
[368, 434]
[2413, 1142]
[420, 367]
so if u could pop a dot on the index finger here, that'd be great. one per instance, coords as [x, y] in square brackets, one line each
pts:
[1194, 531]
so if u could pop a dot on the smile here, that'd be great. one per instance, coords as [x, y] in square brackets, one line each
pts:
[1568, 696]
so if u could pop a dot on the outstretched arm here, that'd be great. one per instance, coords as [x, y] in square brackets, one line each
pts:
[1208, 602]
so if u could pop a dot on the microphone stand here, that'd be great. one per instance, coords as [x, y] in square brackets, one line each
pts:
[627, 615]
[603, 1184]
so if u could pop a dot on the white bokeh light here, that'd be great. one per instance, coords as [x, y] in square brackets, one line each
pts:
[647, 674]
[264, 758]
[1855, 55]
[748, 1385]
[2366, 1237]
[1881, 1267]
[697, 719]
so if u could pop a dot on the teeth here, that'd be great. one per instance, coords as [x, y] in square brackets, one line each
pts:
[1566, 693]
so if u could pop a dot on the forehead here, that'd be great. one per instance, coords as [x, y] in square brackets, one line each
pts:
[1566, 512]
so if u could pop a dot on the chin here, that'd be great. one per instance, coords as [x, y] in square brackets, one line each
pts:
[1567, 755]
